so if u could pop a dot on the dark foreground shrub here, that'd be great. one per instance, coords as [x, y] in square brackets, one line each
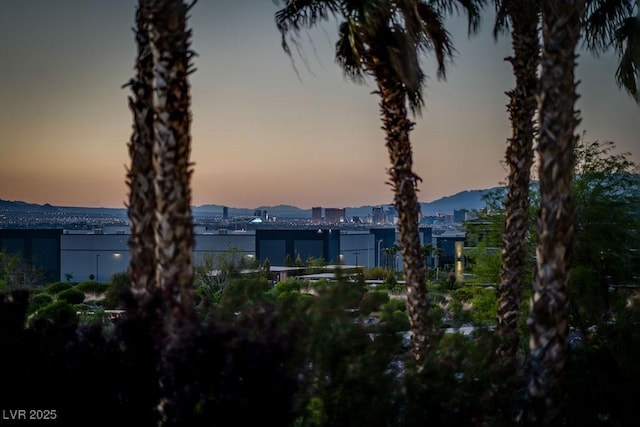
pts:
[92, 287]
[71, 296]
[118, 292]
[57, 287]
[372, 301]
[94, 376]
[38, 301]
[59, 315]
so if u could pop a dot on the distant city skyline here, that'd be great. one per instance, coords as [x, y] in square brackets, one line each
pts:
[462, 200]
[264, 133]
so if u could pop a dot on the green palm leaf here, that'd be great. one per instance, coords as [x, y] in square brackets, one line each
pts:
[627, 44]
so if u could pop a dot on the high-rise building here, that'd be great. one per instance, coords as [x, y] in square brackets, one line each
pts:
[459, 215]
[378, 215]
[334, 215]
[392, 214]
[316, 215]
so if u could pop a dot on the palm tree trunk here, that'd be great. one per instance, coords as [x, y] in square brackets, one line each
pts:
[140, 175]
[174, 240]
[561, 24]
[174, 229]
[404, 182]
[519, 158]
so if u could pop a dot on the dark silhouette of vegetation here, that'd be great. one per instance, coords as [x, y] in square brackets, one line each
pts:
[57, 287]
[93, 287]
[38, 301]
[118, 294]
[606, 190]
[284, 356]
[71, 296]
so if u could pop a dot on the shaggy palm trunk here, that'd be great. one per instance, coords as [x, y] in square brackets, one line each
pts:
[174, 240]
[404, 182]
[140, 176]
[555, 223]
[519, 158]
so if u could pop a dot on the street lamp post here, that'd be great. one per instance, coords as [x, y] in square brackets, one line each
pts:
[356, 254]
[97, 267]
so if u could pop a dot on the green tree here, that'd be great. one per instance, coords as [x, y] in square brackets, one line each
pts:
[288, 262]
[210, 277]
[607, 194]
[118, 294]
[343, 363]
[213, 272]
[242, 294]
[384, 40]
[393, 255]
[372, 300]
[316, 262]
[15, 272]
[426, 250]
[386, 252]
[8, 264]
[484, 236]
[485, 263]
[437, 253]
[606, 191]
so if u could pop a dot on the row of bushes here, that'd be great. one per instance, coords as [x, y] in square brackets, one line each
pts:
[66, 302]
[287, 356]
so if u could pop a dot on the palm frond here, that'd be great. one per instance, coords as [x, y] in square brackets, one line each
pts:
[471, 7]
[349, 49]
[395, 31]
[403, 57]
[299, 14]
[473, 10]
[393, 47]
[435, 36]
[602, 19]
[501, 25]
[627, 44]
[363, 10]
[407, 16]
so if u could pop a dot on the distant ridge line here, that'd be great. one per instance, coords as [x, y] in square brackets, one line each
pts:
[467, 199]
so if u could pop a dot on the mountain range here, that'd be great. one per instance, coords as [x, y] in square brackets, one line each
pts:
[468, 199]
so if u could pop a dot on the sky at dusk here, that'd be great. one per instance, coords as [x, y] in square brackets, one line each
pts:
[262, 133]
